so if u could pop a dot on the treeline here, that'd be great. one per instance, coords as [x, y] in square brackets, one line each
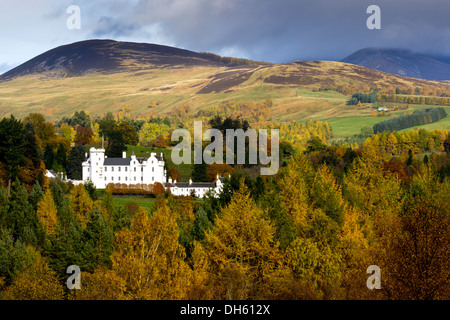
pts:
[297, 134]
[253, 112]
[418, 117]
[398, 98]
[389, 90]
[363, 98]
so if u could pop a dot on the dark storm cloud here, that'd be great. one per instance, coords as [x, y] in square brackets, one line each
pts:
[284, 30]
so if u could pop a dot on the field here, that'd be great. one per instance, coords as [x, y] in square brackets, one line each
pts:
[351, 125]
[146, 203]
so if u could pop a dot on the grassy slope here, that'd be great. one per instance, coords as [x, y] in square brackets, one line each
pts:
[295, 97]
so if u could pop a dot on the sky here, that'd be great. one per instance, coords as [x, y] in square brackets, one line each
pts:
[264, 30]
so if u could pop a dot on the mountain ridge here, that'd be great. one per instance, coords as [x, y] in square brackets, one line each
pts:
[108, 56]
[402, 62]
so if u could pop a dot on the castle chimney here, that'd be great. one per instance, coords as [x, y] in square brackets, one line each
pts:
[124, 154]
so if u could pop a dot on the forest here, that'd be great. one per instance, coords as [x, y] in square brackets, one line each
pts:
[308, 232]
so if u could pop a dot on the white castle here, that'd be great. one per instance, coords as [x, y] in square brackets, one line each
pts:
[102, 170]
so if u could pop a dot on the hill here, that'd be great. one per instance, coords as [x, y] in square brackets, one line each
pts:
[102, 75]
[402, 62]
[108, 56]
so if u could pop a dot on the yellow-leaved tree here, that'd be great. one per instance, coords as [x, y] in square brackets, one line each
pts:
[47, 213]
[149, 257]
[36, 282]
[81, 204]
[103, 284]
[244, 259]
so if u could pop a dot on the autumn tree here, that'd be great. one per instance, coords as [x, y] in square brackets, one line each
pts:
[44, 130]
[174, 174]
[222, 170]
[67, 132]
[241, 248]
[129, 133]
[83, 135]
[37, 282]
[47, 213]
[102, 284]
[416, 264]
[81, 204]
[150, 259]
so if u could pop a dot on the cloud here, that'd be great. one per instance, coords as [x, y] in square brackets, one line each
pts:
[276, 31]
[4, 67]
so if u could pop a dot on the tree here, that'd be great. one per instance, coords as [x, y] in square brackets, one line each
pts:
[37, 282]
[116, 145]
[107, 125]
[45, 131]
[241, 249]
[83, 135]
[12, 145]
[49, 157]
[97, 242]
[151, 131]
[80, 118]
[61, 155]
[102, 284]
[416, 262]
[12, 256]
[81, 203]
[129, 133]
[174, 174]
[74, 163]
[22, 219]
[215, 169]
[315, 144]
[149, 257]
[47, 213]
[67, 132]
[447, 145]
[91, 190]
[199, 173]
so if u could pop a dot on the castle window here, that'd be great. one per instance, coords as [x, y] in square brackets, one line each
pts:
[112, 169]
[153, 178]
[134, 178]
[134, 169]
[105, 178]
[126, 169]
[119, 169]
[126, 178]
[142, 169]
[112, 178]
[153, 169]
[106, 168]
[119, 178]
[142, 178]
